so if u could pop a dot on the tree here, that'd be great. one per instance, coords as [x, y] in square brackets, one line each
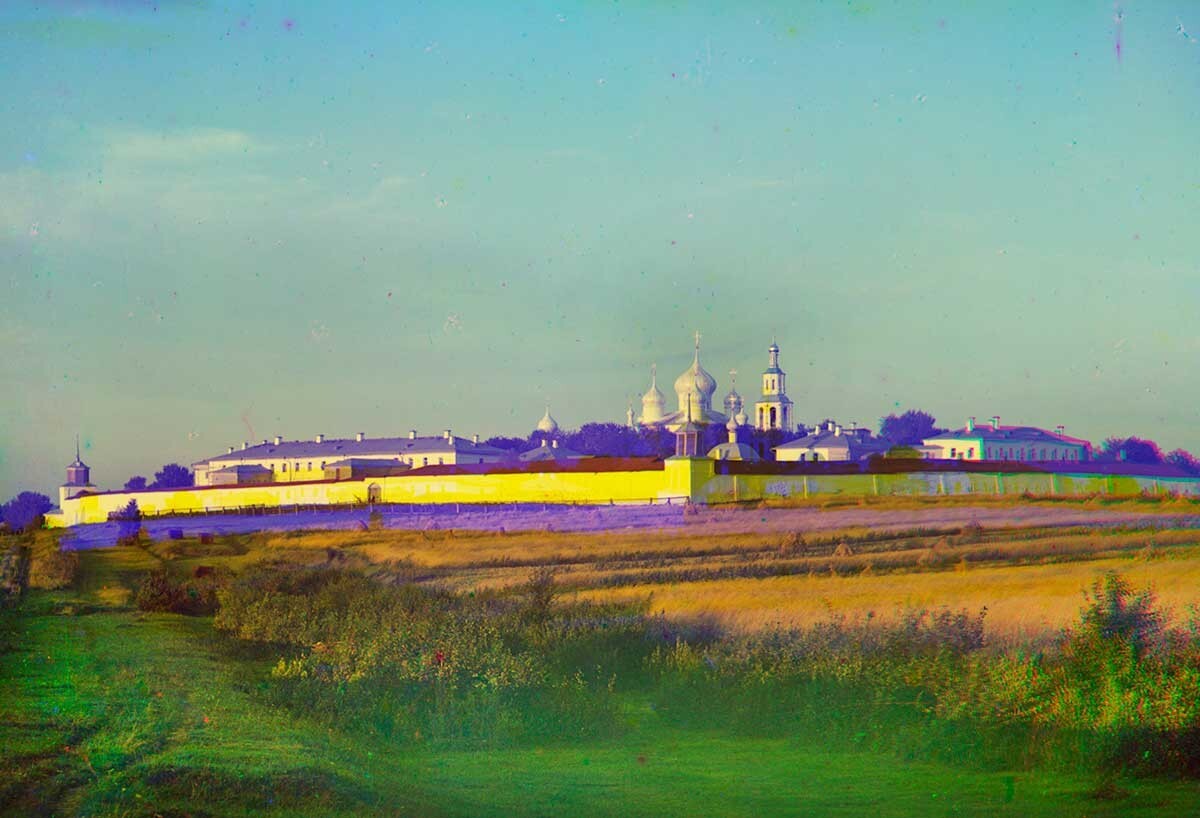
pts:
[135, 483]
[508, 444]
[604, 440]
[908, 429]
[1184, 460]
[1130, 450]
[26, 511]
[172, 476]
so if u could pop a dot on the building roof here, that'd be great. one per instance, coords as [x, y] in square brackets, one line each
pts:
[348, 447]
[1008, 434]
[733, 451]
[244, 468]
[852, 441]
[366, 462]
[546, 452]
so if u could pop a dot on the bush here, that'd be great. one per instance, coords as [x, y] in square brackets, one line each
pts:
[196, 596]
[26, 511]
[51, 568]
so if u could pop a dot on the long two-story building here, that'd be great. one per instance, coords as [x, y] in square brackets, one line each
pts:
[995, 442]
[293, 461]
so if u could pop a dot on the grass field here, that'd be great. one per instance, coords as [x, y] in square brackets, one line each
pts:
[110, 710]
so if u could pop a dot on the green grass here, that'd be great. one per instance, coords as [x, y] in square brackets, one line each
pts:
[106, 711]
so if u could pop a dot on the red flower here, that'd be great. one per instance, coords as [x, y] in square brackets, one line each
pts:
[439, 657]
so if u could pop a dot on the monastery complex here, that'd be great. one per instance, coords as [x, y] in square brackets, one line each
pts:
[819, 457]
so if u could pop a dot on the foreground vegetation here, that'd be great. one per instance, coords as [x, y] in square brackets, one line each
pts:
[284, 674]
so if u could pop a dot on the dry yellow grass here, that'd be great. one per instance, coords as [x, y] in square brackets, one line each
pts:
[1022, 601]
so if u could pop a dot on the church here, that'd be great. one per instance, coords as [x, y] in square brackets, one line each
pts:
[694, 390]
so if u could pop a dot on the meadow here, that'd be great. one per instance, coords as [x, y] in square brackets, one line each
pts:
[909, 659]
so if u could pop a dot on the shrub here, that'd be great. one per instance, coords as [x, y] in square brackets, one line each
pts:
[196, 596]
[26, 511]
[540, 591]
[51, 568]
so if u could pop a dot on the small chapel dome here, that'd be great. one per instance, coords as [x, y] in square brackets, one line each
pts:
[547, 424]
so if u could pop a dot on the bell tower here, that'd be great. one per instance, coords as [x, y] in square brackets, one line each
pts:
[773, 410]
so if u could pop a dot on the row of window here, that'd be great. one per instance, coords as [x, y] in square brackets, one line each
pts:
[296, 466]
[998, 453]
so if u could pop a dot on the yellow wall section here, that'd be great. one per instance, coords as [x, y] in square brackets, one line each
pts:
[659, 485]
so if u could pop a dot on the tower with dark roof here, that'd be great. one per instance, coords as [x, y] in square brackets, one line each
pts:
[79, 477]
[773, 410]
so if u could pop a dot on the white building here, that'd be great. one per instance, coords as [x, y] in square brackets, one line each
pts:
[831, 442]
[291, 461]
[1025, 444]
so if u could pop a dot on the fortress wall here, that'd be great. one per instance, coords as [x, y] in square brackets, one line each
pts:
[680, 479]
[750, 487]
[525, 487]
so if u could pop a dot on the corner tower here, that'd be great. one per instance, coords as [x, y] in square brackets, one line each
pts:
[79, 477]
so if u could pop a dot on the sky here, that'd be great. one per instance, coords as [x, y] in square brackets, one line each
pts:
[222, 221]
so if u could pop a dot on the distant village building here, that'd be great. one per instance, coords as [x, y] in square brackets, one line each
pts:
[1026, 444]
[830, 441]
[294, 461]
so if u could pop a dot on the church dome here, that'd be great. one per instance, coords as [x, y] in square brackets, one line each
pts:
[733, 401]
[654, 403]
[547, 424]
[695, 381]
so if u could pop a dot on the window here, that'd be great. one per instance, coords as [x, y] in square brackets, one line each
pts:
[481, 460]
[322, 465]
[296, 467]
[285, 466]
[971, 454]
[310, 465]
[441, 462]
[773, 418]
[816, 457]
[424, 461]
[953, 452]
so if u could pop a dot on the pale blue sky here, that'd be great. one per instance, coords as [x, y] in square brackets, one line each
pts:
[222, 221]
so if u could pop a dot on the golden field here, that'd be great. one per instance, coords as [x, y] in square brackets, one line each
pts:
[749, 569]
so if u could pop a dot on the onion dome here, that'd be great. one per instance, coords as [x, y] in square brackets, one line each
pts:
[654, 403]
[696, 383]
[733, 401]
[547, 424]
